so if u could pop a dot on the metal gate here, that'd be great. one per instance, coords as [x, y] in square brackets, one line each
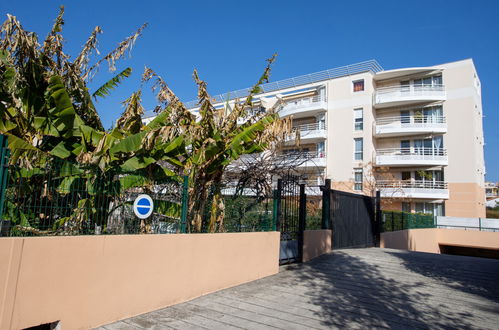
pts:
[290, 222]
[353, 220]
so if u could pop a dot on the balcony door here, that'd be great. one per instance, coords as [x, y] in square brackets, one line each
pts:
[433, 114]
[321, 121]
[405, 117]
[321, 149]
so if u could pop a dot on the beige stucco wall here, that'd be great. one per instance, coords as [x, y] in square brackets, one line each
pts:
[428, 240]
[465, 200]
[340, 120]
[87, 281]
[316, 243]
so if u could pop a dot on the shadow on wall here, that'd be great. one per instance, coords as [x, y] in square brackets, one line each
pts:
[479, 276]
[352, 292]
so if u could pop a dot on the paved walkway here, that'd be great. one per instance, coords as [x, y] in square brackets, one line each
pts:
[362, 288]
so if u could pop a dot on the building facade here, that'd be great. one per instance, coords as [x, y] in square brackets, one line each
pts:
[414, 134]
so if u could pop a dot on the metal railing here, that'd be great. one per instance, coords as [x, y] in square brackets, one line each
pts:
[412, 151]
[396, 220]
[303, 102]
[385, 94]
[310, 127]
[304, 154]
[410, 89]
[425, 184]
[366, 66]
[403, 121]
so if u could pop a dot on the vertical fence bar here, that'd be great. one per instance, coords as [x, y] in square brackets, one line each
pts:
[393, 223]
[379, 222]
[302, 221]
[185, 201]
[326, 204]
[4, 173]
[277, 206]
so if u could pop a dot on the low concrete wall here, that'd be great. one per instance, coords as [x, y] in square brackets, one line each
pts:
[428, 240]
[87, 281]
[316, 243]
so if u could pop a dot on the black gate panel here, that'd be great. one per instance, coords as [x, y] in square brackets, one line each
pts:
[352, 220]
[291, 218]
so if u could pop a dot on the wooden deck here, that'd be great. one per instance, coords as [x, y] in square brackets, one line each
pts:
[361, 288]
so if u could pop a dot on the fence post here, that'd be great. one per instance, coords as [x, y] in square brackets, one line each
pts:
[277, 206]
[393, 223]
[379, 222]
[302, 218]
[326, 204]
[4, 174]
[185, 201]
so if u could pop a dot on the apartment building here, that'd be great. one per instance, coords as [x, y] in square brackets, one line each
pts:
[414, 134]
[491, 190]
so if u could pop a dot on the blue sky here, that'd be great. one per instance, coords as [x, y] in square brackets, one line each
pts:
[228, 41]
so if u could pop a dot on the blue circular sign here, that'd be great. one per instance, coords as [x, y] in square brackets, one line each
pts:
[143, 206]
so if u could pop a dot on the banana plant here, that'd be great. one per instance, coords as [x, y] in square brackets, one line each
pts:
[216, 139]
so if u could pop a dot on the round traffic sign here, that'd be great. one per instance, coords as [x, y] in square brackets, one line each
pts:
[143, 206]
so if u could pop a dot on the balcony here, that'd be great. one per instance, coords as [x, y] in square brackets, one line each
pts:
[304, 107]
[416, 156]
[303, 159]
[413, 189]
[406, 94]
[410, 125]
[310, 133]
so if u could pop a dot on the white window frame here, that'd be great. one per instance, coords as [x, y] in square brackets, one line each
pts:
[356, 152]
[356, 81]
[358, 184]
[361, 121]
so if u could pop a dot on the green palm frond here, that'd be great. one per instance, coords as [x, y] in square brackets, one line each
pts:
[110, 85]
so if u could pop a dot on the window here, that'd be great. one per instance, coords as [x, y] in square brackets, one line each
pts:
[406, 176]
[405, 147]
[405, 117]
[358, 115]
[430, 208]
[406, 207]
[321, 147]
[358, 85]
[357, 179]
[359, 146]
[428, 81]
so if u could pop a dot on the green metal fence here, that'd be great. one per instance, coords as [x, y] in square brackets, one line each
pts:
[50, 196]
[396, 220]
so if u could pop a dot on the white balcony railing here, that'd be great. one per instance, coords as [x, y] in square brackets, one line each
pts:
[401, 125]
[413, 189]
[404, 93]
[305, 158]
[304, 104]
[310, 131]
[310, 127]
[411, 156]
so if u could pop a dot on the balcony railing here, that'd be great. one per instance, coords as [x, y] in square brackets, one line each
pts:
[411, 156]
[304, 104]
[413, 189]
[410, 125]
[411, 120]
[310, 131]
[310, 127]
[304, 158]
[425, 184]
[400, 93]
